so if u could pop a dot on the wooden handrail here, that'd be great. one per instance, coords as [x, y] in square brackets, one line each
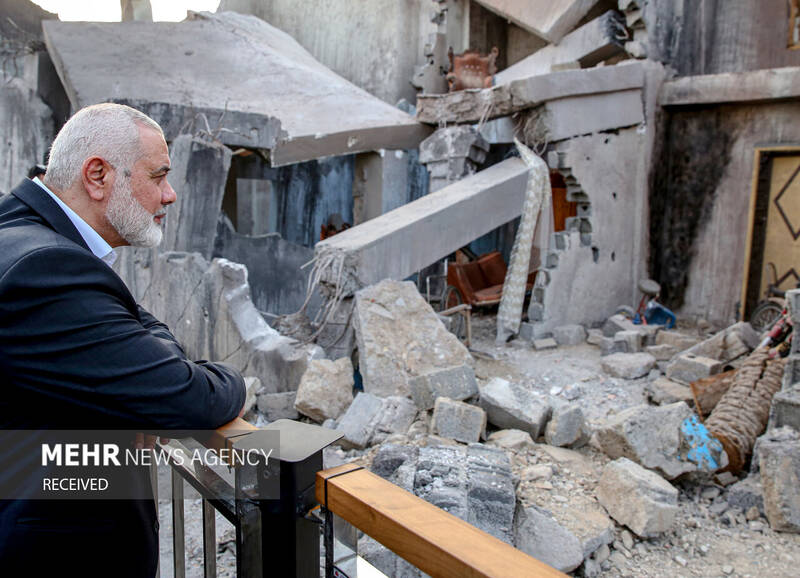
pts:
[218, 438]
[431, 539]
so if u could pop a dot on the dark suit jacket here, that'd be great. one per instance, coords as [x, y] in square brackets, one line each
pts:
[77, 352]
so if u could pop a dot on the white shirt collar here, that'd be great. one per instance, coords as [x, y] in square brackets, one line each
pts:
[95, 242]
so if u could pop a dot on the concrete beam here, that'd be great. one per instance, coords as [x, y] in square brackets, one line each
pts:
[544, 18]
[472, 105]
[772, 84]
[403, 241]
[193, 76]
[578, 115]
[593, 42]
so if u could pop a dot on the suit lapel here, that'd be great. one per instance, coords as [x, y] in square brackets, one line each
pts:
[37, 199]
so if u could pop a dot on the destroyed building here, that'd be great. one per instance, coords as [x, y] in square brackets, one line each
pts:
[322, 162]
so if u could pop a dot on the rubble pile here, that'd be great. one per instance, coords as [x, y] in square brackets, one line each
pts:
[587, 481]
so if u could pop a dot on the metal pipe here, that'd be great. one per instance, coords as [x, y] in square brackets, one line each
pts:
[178, 536]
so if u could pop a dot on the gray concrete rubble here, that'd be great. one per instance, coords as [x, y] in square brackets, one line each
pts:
[471, 105]
[199, 171]
[663, 352]
[785, 410]
[326, 389]
[255, 110]
[511, 406]
[628, 365]
[593, 42]
[458, 420]
[547, 20]
[779, 465]
[569, 334]
[251, 386]
[594, 336]
[275, 406]
[630, 341]
[687, 368]
[453, 382]
[648, 435]
[544, 344]
[746, 494]
[566, 426]
[730, 343]
[677, 340]
[611, 345]
[511, 439]
[756, 85]
[208, 308]
[662, 391]
[452, 153]
[539, 535]
[638, 498]
[400, 337]
[371, 419]
[405, 240]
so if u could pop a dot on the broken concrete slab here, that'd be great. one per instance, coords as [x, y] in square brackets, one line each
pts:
[610, 346]
[662, 391]
[545, 344]
[594, 336]
[396, 417]
[467, 106]
[730, 343]
[405, 240]
[785, 410]
[208, 308]
[277, 406]
[357, 423]
[632, 340]
[617, 323]
[547, 20]
[400, 337]
[593, 42]
[199, 172]
[628, 365]
[452, 153]
[458, 420]
[677, 340]
[779, 464]
[511, 406]
[538, 534]
[648, 435]
[254, 111]
[750, 86]
[637, 498]
[662, 352]
[569, 334]
[687, 368]
[326, 389]
[565, 427]
[453, 382]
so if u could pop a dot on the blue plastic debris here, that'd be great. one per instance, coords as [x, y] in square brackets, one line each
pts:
[699, 447]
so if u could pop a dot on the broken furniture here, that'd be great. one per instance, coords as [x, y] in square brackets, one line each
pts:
[471, 70]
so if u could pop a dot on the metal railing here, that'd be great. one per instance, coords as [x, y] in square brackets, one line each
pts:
[274, 506]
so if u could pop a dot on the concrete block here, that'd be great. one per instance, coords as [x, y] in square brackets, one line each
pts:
[458, 420]
[628, 365]
[326, 389]
[544, 344]
[632, 339]
[511, 406]
[396, 417]
[610, 346]
[637, 498]
[594, 336]
[400, 337]
[661, 352]
[453, 382]
[785, 409]
[565, 427]
[648, 435]
[687, 368]
[539, 535]
[791, 373]
[779, 464]
[490, 491]
[737, 340]
[677, 340]
[452, 142]
[569, 334]
[358, 422]
[617, 323]
[512, 439]
[662, 391]
[793, 302]
[548, 20]
[276, 406]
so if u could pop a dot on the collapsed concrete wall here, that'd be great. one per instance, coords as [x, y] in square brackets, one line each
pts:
[208, 308]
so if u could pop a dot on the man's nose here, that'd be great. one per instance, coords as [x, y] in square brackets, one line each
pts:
[168, 196]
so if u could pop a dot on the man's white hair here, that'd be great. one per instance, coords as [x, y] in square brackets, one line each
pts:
[108, 130]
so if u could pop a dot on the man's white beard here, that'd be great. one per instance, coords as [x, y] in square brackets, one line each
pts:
[130, 219]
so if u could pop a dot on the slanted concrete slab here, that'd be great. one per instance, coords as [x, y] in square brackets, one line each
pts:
[756, 86]
[593, 42]
[472, 105]
[544, 18]
[234, 76]
[401, 242]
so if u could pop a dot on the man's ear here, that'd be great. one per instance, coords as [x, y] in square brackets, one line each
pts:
[98, 177]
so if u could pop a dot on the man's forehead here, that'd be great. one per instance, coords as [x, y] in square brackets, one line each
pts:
[154, 147]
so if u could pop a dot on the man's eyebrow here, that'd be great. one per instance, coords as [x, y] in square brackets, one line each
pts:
[162, 169]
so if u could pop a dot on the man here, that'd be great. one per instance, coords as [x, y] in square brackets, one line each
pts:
[76, 350]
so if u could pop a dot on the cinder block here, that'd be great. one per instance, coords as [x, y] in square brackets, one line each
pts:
[688, 368]
[632, 339]
[458, 420]
[453, 382]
